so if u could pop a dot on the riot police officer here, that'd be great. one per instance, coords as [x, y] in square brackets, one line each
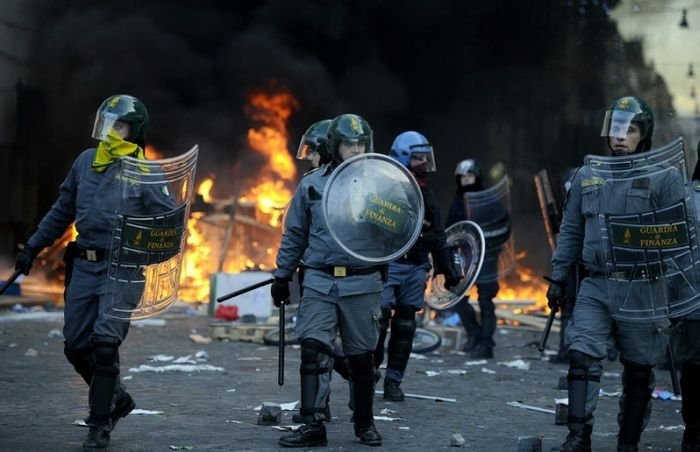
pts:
[313, 144]
[480, 341]
[405, 288]
[686, 346]
[628, 129]
[92, 338]
[340, 294]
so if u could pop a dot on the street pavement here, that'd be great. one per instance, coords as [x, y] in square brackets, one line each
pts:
[215, 409]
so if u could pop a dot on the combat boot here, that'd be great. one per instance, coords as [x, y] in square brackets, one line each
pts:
[97, 440]
[578, 440]
[123, 406]
[482, 352]
[392, 391]
[368, 434]
[471, 344]
[308, 435]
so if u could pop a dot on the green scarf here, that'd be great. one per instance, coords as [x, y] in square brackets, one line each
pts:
[113, 148]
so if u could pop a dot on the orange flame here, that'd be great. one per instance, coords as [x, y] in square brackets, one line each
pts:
[205, 189]
[152, 153]
[273, 191]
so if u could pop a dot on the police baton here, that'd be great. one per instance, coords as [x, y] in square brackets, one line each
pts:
[245, 290]
[9, 282]
[280, 354]
[548, 325]
[672, 369]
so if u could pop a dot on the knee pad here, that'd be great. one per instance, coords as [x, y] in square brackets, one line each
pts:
[362, 366]
[580, 360]
[79, 357]
[106, 350]
[313, 354]
[637, 380]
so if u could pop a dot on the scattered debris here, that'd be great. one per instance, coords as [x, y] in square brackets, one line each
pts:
[231, 390]
[531, 408]
[171, 447]
[31, 352]
[432, 373]
[149, 322]
[425, 397]
[484, 370]
[457, 440]
[671, 428]
[55, 333]
[145, 412]
[457, 371]
[603, 393]
[403, 427]
[662, 394]
[270, 414]
[287, 428]
[387, 411]
[387, 418]
[516, 364]
[176, 368]
[160, 358]
[199, 339]
[476, 363]
[291, 406]
[529, 444]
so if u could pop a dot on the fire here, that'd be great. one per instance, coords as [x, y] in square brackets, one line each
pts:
[219, 243]
[205, 189]
[153, 154]
[276, 178]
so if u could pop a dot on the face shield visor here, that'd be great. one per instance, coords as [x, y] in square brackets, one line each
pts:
[616, 123]
[306, 150]
[422, 158]
[104, 122]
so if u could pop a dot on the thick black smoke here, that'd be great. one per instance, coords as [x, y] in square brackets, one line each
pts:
[513, 83]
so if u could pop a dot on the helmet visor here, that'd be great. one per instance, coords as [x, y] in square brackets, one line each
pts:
[306, 150]
[616, 123]
[104, 122]
[422, 155]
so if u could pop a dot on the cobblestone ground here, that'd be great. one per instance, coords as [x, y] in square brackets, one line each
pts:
[41, 396]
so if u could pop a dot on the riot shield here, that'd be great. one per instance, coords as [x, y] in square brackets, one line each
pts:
[648, 231]
[490, 209]
[148, 241]
[467, 245]
[373, 208]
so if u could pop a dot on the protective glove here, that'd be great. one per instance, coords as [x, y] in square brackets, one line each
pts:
[280, 291]
[555, 293]
[25, 258]
[451, 281]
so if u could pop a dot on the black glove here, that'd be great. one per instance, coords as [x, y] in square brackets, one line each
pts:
[451, 281]
[25, 258]
[280, 291]
[555, 293]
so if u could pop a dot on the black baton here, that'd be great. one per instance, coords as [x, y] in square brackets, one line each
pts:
[280, 355]
[547, 329]
[672, 369]
[9, 282]
[245, 290]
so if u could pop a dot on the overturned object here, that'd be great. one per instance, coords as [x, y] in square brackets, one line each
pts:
[270, 414]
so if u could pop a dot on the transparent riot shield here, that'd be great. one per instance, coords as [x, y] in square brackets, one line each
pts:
[648, 231]
[148, 242]
[373, 208]
[490, 209]
[467, 245]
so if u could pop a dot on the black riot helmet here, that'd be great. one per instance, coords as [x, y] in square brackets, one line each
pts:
[314, 140]
[123, 108]
[348, 128]
[624, 111]
[468, 167]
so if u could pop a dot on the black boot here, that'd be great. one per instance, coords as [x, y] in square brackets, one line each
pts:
[471, 344]
[482, 352]
[578, 440]
[690, 373]
[392, 391]
[368, 434]
[308, 435]
[97, 440]
[123, 406]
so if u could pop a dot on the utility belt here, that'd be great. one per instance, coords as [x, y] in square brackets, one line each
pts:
[340, 271]
[75, 250]
[638, 274]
